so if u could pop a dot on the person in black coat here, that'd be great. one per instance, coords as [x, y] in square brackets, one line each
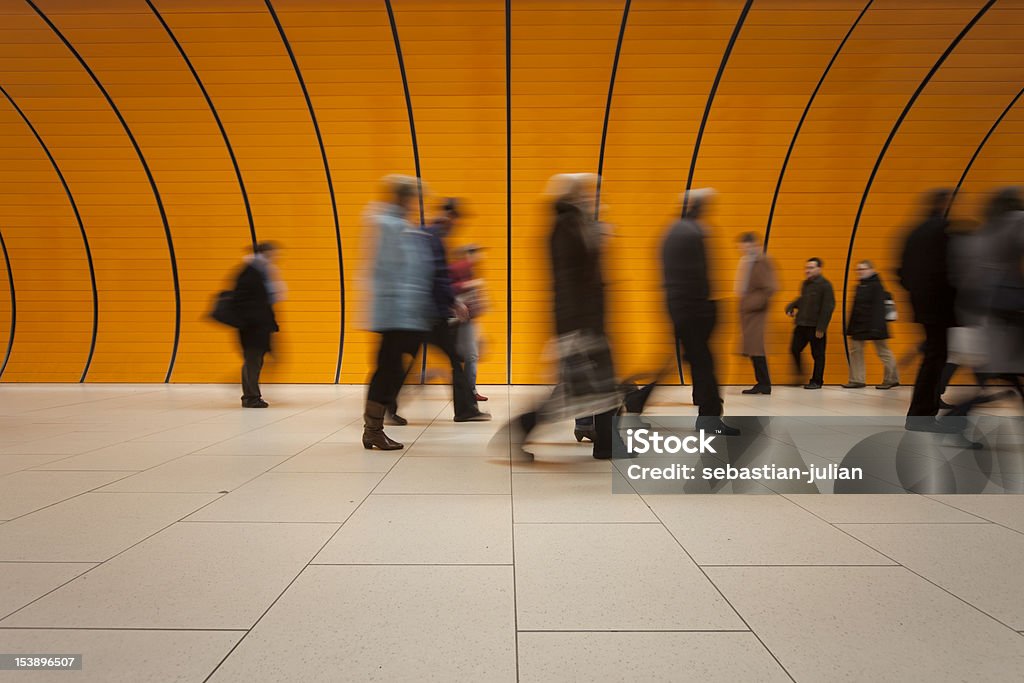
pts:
[868, 323]
[256, 290]
[813, 311]
[924, 273]
[693, 313]
[586, 374]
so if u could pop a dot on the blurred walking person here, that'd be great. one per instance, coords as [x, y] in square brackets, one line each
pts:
[257, 289]
[403, 274]
[446, 317]
[469, 291]
[988, 270]
[756, 283]
[693, 312]
[868, 322]
[813, 311]
[585, 372]
[924, 273]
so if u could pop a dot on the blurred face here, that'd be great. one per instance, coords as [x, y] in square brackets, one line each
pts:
[864, 271]
[811, 269]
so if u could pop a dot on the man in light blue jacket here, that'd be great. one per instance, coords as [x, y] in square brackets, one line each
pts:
[402, 304]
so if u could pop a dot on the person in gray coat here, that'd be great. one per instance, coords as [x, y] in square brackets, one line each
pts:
[402, 305]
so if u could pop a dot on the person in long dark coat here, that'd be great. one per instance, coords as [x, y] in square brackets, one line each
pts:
[693, 313]
[756, 283]
[586, 374]
[256, 290]
[924, 273]
[868, 323]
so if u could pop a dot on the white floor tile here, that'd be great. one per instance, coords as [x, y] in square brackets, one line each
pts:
[27, 581]
[190, 576]
[126, 456]
[93, 527]
[868, 624]
[884, 508]
[292, 497]
[384, 623]
[738, 529]
[979, 563]
[575, 498]
[433, 529]
[125, 656]
[197, 474]
[726, 657]
[612, 577]
[447, 475]
[27, 491]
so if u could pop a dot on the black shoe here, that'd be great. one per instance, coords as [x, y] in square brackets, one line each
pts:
[258, 403]
[715, 425]
[378, 439]
[587, 433]
[395, 419]
[812, 385]
[848, 385]
[885, 387]
[757, 390]
[929, 424]
[945, 406]
[474, 417]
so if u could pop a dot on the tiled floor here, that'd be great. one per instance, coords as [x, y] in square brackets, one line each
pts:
[167, 535]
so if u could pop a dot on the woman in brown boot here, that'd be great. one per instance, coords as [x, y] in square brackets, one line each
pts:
[402, 279]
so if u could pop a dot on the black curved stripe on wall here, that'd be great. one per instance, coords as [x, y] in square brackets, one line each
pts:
[149, 175]
[81, 229]
[415, 145]
[216, 117]
[608, 106]
[982, 144]
[330, 182]
[711, 95]
[885, 148]
[800, 124]
[508, 191]
[408, 104]
[14, 304]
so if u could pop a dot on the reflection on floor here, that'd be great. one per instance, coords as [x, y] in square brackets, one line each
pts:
[166, 534]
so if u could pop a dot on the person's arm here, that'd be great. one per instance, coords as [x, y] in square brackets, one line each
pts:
[828, 306]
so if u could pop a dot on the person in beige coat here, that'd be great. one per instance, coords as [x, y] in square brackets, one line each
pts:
[755, 285]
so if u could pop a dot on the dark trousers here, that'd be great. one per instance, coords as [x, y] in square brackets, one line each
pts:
[251, 369]
[764, 381]
[255, 345]
[444, 337]
[390, 373]
[802, 336]
[925, 400]
[695, 334]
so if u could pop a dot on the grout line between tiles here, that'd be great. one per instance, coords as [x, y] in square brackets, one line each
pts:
[917, 574]
[309, 563]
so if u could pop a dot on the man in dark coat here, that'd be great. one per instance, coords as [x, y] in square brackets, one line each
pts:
[924, 273]
[444, 324]
[256, 290]
[813, 311]
[868, 323]
[693, 313]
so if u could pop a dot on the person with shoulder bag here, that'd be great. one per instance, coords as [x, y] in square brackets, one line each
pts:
[869, 321]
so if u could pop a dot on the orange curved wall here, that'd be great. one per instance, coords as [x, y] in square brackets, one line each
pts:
[309, 106]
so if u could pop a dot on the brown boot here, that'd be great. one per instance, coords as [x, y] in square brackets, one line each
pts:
[373, 428]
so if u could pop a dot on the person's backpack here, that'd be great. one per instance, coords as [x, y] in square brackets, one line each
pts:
[225, 309]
